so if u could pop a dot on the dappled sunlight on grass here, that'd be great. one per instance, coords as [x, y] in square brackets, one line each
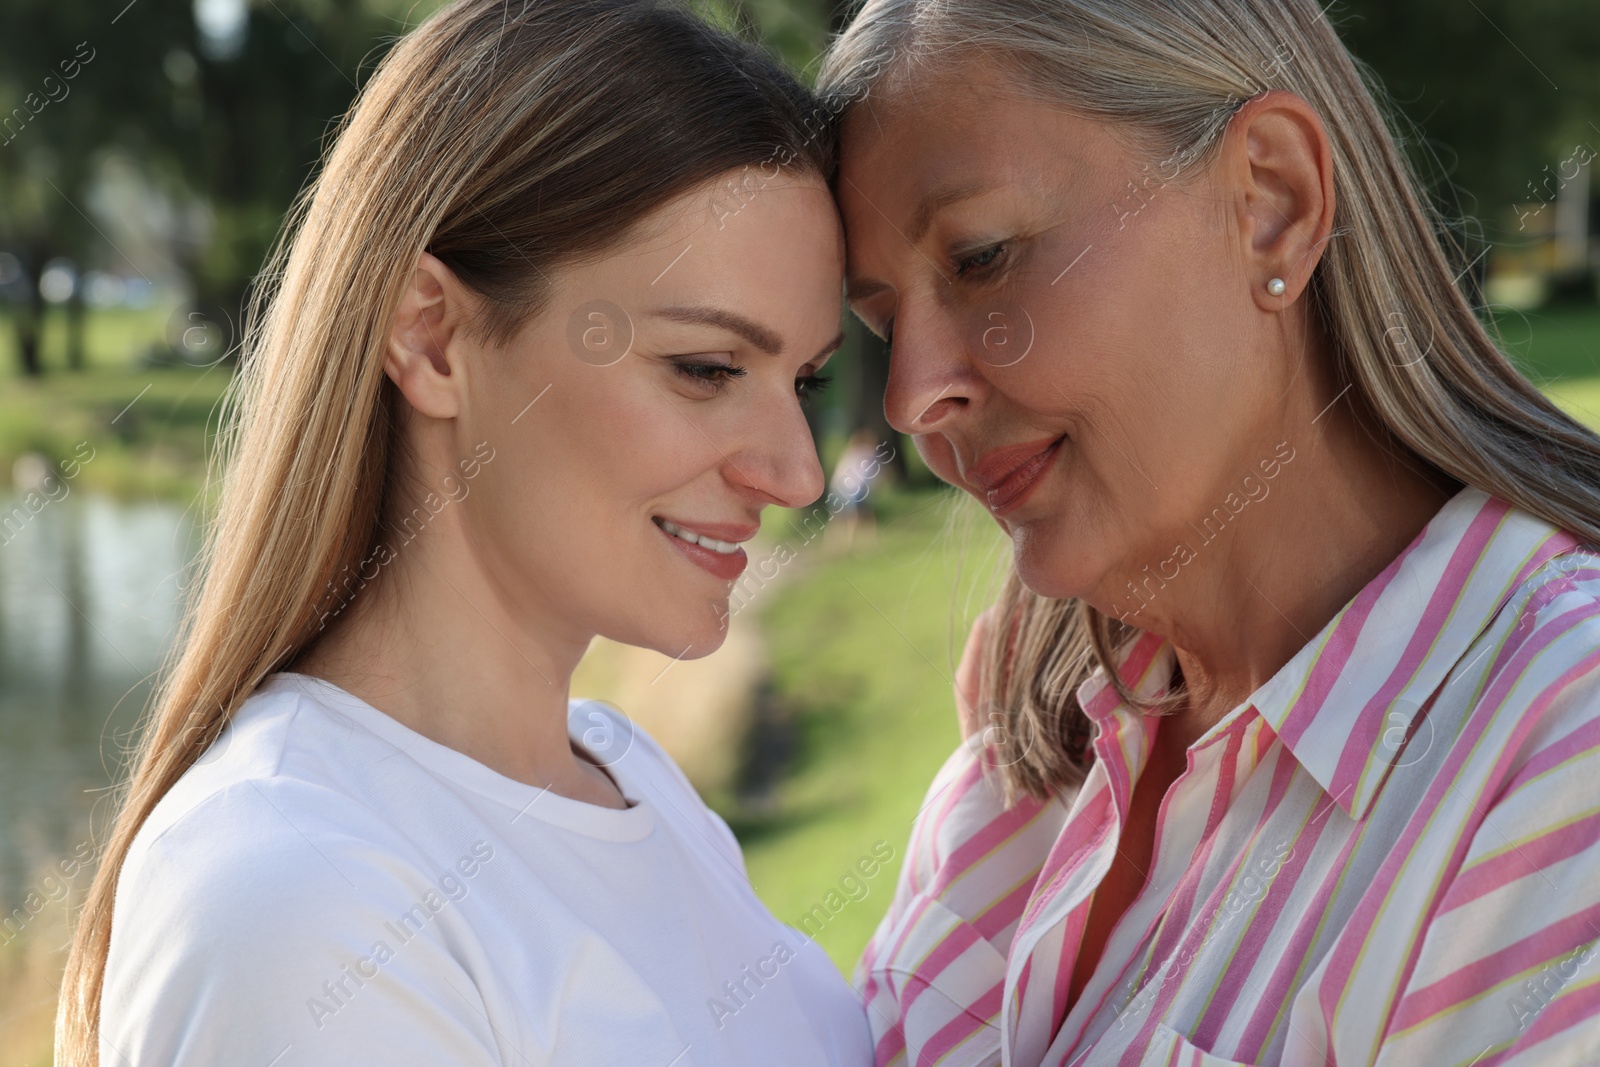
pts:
[863, 648]
[1580, 398]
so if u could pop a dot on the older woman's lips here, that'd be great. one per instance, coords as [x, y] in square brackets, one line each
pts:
[1006, 476]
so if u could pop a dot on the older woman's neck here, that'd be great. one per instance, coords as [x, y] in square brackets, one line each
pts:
[1352, 507]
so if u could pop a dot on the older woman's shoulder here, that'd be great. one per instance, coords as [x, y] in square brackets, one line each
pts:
[1555, 615]
[1543, 659]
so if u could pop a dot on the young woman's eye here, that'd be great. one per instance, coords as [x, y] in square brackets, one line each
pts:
[809, 385]
[715, 375]
[980, 261]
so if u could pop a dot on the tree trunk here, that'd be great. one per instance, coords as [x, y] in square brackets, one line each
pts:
[76, 315]
[30, 324]
[27, 328]
[224, 305]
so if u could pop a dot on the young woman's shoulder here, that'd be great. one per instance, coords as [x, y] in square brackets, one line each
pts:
[264, 906]
[280, 770]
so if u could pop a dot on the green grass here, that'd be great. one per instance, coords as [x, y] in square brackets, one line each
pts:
[149, 427]
[1559, 348]
[863, 648]
[158, 447]
[1554, 345]
[1580, 398]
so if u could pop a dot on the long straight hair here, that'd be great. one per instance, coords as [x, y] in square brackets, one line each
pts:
[1167, 75]
[507, 139]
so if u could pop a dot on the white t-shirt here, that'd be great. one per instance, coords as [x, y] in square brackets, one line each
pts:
[329, 887]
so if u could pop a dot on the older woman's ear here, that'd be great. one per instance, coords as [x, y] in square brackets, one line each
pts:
[1277, 167]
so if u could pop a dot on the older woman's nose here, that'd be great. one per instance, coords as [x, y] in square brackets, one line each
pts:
[931, 376]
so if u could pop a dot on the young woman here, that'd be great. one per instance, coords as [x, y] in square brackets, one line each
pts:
[530, 372]
[1297, 680]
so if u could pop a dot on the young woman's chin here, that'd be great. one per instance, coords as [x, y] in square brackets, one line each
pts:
[693, 627]
[678, 612]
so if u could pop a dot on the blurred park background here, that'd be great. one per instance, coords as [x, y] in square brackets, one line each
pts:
[148, 151]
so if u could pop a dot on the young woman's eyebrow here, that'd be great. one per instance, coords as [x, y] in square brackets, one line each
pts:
[733, 322]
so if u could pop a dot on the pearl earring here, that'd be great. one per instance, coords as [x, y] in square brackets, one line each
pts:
[1276, 287]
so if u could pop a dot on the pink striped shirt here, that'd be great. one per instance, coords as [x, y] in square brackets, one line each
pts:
[1390, 854]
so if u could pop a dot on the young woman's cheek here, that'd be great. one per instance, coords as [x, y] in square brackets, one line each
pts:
[669, 441]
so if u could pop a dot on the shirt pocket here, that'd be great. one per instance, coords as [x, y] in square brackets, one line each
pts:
[1168, 1048]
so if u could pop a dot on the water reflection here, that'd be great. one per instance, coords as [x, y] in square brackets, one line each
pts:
[89, 599]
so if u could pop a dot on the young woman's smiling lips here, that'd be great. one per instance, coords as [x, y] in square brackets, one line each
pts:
[709, 545]
[1007, 476]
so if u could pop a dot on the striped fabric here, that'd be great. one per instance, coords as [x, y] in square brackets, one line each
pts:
[1389, 855]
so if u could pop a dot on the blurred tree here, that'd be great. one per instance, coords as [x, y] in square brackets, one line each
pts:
[1492, 91]
[798, 31]
[224, 105]
[221, 104]
[26, 224]
[40, 125]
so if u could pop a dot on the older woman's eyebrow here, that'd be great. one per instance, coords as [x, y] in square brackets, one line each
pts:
[935, 202]
[755, 333]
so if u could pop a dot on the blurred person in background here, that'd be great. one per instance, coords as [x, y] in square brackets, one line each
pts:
[851, 483]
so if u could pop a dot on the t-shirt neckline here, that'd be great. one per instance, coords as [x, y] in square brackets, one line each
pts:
[525, 801]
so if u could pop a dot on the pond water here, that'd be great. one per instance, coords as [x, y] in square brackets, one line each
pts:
[90, 598]
[91, 591]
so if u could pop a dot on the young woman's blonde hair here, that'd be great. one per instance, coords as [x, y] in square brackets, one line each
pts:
[509, 140]
[1423, 372]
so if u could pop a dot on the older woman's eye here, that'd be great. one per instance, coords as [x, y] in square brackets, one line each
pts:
[979, 261]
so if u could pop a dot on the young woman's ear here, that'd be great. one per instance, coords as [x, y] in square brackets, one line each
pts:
[426, 341]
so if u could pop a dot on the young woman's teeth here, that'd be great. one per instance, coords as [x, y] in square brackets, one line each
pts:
[696, 539]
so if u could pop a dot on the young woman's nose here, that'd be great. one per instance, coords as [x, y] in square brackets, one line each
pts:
[777, 459]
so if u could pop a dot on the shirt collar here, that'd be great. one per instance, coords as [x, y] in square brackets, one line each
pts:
[1351, 704]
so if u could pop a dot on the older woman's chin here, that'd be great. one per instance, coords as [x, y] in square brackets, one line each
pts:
[1051, 568]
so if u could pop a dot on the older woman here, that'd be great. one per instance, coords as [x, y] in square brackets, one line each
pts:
[1282, 743]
